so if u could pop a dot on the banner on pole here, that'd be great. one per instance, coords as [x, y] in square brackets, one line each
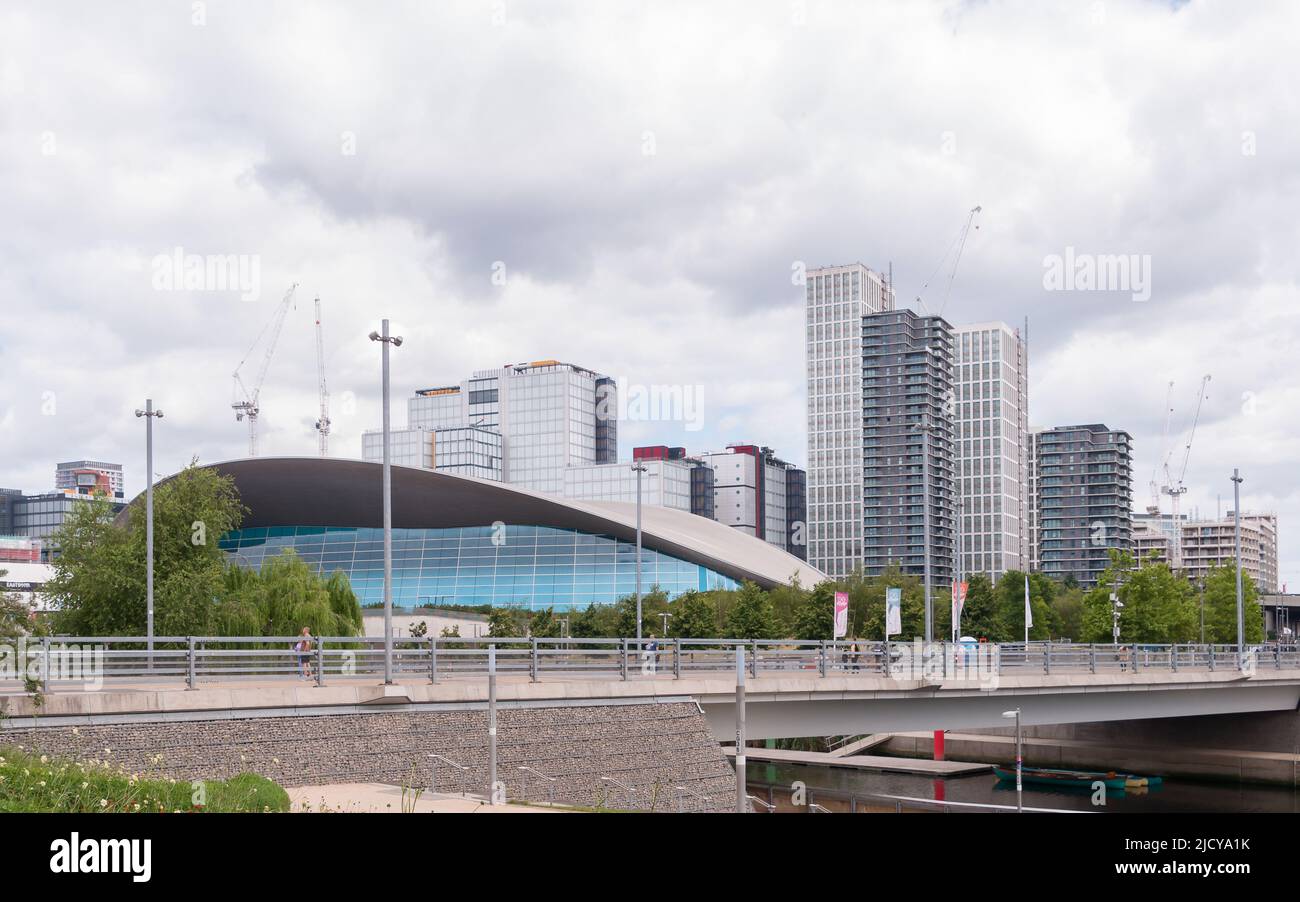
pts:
[841, 615]
[893, 611]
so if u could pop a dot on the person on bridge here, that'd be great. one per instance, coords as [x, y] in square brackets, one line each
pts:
[303, 648]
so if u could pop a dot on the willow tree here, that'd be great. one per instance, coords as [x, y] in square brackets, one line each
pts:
[98, 587]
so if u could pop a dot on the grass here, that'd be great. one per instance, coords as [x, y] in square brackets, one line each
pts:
[32, 782]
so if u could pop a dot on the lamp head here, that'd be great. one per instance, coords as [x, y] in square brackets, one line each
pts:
[374, 336]
[397, 341]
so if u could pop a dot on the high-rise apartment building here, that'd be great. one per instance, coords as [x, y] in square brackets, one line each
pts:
[761, 495]
[1084, 496]
[1210, 543]
[546, 415]
[836, 300]
[908, 451]
[991, 407]
[88, 477]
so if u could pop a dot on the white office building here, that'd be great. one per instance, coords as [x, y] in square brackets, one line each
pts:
[465, 450]
[836, 299]
[991, 407]
[759, 494]
[664, 483]
[546, 416]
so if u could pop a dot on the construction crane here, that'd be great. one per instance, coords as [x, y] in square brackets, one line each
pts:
[1175, 489]
[959, 245]
[247, 404]
[1154, 508]
[323, 423]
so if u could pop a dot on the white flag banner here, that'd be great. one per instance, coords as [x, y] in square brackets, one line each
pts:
[1029, 612]
[893, 612]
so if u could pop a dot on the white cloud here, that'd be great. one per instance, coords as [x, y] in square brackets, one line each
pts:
[648, 174]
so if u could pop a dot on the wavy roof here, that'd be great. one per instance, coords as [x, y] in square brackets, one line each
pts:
[328, 491]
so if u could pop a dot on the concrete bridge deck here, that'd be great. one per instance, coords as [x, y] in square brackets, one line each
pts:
[784, 705]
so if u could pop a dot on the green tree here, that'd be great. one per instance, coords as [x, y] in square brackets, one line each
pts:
[1220, 596]
[653, 605]
[507, 623]
[543, 624]
[596, 621]
[16, 618]
[98, 587]
[981, 616]
[1159, 606]
[1067, 613]
[752, 616]
[787, 601]
[285, 596]
[694, 616]
[815, 618]
[1009, 605]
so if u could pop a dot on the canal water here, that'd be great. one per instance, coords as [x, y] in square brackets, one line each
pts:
[834, 787]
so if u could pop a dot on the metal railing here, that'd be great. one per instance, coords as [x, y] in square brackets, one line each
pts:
[433, 778]
[195, 659]
[524, 770]
[856, 802]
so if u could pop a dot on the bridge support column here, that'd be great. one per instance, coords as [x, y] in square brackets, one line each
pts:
[742, 790]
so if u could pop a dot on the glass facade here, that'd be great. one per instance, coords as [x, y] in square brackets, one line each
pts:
[509, 566]
[837, 299]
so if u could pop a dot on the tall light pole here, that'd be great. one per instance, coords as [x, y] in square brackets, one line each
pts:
[638, 468]
[149, 415]
[1237, 480]
[396, 341]
[1020, 765]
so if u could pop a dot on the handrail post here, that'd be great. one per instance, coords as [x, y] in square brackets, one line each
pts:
[1173, 657]
[532, 662]
[433, 659]
[677, 658]
[1209, 650]
[320, 663]
[1092, 658]
[1047, 657]
[622, 659]
[189, 681]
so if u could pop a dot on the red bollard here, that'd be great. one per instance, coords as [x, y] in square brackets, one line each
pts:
[938, 745]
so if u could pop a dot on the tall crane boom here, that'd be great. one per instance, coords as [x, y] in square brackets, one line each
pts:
[323, 422]
[247, 405]
[1175, 489]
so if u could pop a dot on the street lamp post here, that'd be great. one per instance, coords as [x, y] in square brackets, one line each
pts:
[638, 468]
[1237, 480]
[149, 415]
[1020, 799]
[396, 341]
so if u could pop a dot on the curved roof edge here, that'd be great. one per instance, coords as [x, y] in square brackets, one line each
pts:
[331, 491]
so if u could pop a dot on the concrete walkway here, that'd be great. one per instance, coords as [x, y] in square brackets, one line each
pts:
[919, 766]
[384, 797]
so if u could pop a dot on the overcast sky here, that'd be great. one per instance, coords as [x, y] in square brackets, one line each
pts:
[629, 186]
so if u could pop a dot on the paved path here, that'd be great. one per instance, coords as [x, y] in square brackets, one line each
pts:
[384, 797]
[919, 766]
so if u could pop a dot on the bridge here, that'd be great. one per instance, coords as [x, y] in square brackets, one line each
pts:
[793, 688]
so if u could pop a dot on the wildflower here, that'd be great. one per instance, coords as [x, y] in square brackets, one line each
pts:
[103, 803]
